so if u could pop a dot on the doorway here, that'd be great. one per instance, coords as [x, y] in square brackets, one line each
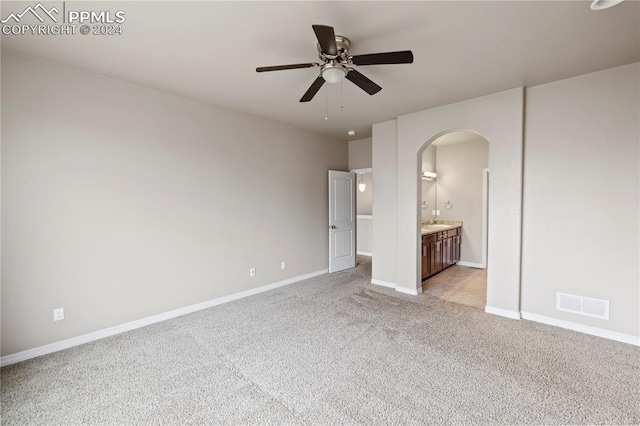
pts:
[454, 190]
[364, 212]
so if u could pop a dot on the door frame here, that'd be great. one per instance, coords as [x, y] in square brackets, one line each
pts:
[485, 217]
[357, 172]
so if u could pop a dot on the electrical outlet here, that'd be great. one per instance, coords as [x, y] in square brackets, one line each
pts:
[58, 314]
[283, 265]
[252, 272]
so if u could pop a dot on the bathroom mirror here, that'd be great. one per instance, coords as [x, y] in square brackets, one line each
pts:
[429, 185]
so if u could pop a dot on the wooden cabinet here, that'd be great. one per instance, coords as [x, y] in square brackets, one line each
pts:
[440, 250]
[456, 248]
[446, 252]
[436, 257]
[426, 269]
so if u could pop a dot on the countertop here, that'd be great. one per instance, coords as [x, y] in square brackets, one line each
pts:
[440, 225]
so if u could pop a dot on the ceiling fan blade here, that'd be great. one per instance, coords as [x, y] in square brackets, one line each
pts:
[402, 57]
[363, 82]
[327, 39]
[311, 92]
[286, 67]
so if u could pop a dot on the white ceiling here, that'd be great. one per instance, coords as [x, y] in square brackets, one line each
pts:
[208, 51]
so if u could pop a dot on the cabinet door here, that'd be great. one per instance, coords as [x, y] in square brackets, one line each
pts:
[436, 257]
[446, 252]
[425, 260]
[456, 248]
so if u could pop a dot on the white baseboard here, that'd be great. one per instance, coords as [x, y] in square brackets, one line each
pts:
[594, 331]
[470, 264]
[383, 283]
[411, 291]
[364, 216]
[364, 253]
[502, 312]
[100, 334]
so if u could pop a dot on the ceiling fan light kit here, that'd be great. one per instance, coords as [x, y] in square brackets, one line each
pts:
[604, 4]
[337, 64]
[333, 73]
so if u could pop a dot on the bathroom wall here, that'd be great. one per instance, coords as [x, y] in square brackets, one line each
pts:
[428, 186]
[459, 181]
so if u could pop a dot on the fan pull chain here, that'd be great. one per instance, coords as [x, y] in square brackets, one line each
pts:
[326, 102]
[341, 95]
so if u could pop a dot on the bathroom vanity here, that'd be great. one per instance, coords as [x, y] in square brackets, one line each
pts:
[440, 247]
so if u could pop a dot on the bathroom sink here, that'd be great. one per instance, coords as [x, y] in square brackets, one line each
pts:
[436, 227]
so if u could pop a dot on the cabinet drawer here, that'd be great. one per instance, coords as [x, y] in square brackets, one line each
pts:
[430, 238]
[453, 232]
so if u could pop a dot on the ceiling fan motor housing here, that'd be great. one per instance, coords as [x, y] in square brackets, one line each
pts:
[343, 44]
[335, 67]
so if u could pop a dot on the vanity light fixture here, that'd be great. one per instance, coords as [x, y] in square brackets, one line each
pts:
[362, 185]
[604, 4]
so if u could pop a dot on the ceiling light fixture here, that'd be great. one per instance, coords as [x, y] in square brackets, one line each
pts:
[333, 73]
[604, 4]
[362, 185]
[352, 133]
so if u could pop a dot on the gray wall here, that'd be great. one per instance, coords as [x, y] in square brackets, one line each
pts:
[385, 225]
[498, 118]
[459, 168]
[121, 202]
[581, 196]
[360, 154]
[364, 199]
[365, 244]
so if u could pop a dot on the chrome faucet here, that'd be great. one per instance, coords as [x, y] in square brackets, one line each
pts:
[432, 221]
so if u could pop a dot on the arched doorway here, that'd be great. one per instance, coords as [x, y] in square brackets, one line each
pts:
[498, 118]
[454, 189]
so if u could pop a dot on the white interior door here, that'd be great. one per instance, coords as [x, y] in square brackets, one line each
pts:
[342, 220]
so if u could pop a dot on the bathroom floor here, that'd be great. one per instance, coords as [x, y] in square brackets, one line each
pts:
[459, 284]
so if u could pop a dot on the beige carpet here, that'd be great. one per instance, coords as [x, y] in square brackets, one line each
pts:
[459, 284]
[331, 350]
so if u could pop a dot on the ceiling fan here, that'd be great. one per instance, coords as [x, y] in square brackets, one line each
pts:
[337, 64]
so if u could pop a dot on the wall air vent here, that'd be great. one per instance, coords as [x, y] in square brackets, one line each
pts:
[582, 305]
